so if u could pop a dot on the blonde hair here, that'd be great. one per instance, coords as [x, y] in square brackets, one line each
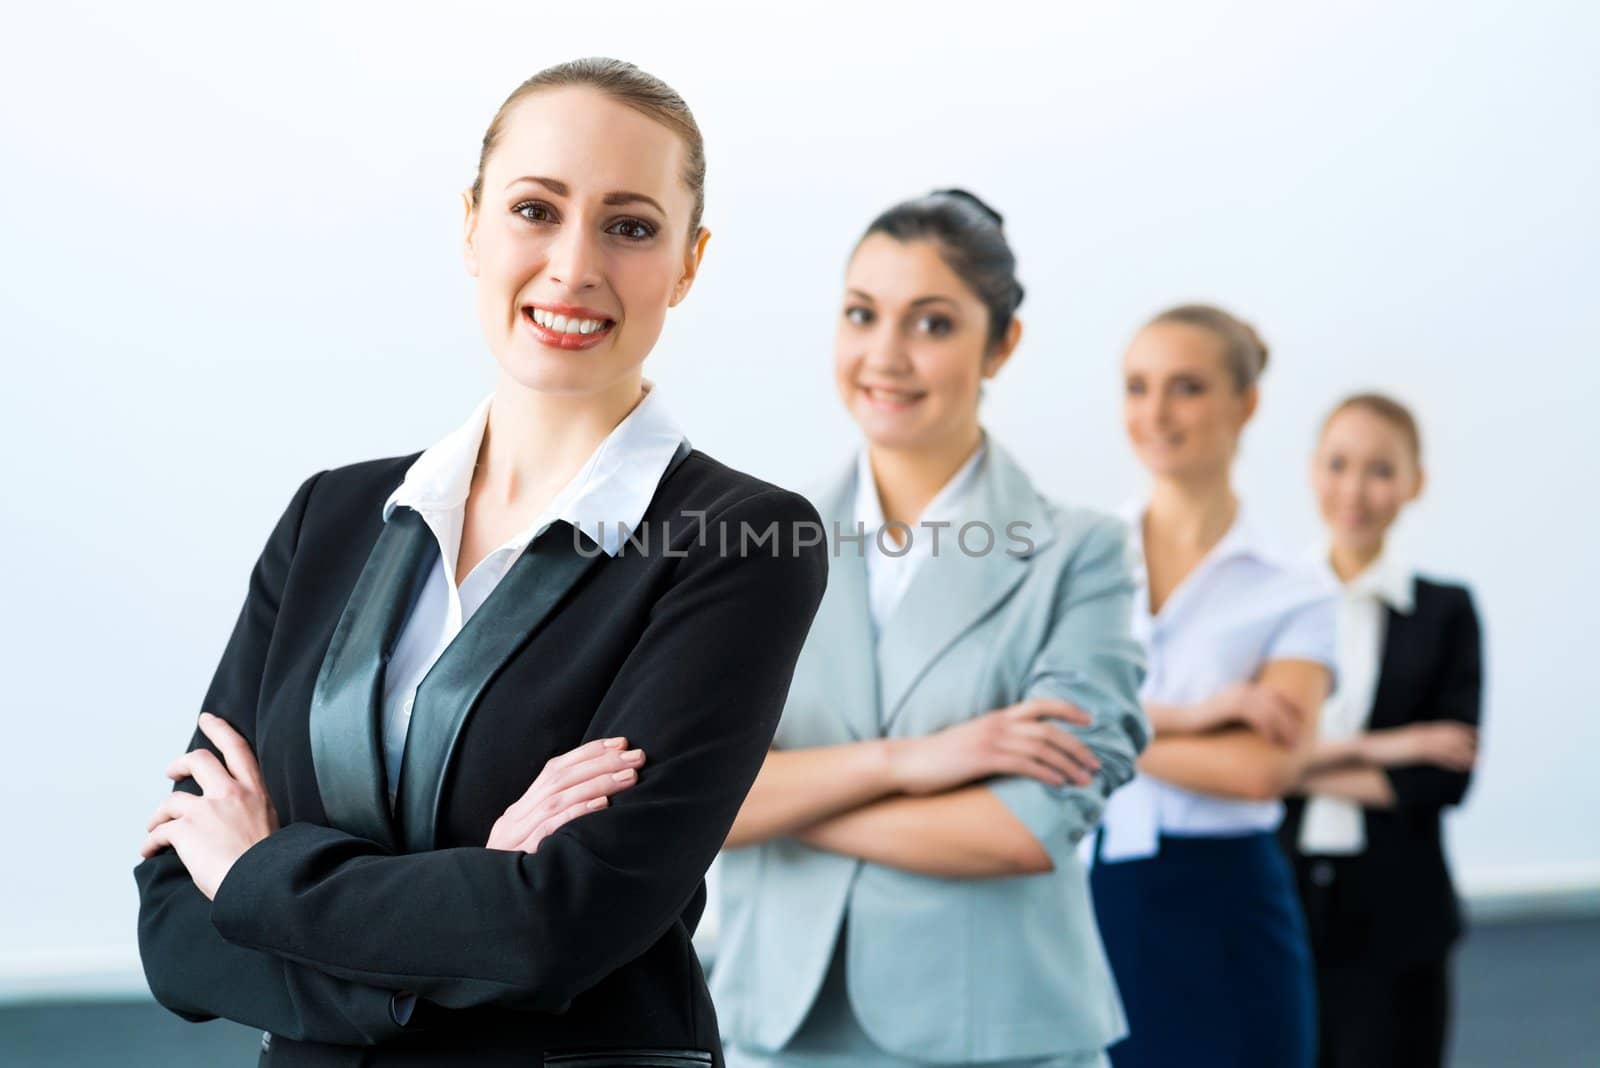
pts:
[1242, 348]
[630, 86]
[1389, 410]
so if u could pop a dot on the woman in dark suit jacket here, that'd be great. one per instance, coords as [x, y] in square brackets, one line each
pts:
[353, 856]
[1398, 743]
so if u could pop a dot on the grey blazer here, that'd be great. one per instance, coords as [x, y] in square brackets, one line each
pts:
[949, 969]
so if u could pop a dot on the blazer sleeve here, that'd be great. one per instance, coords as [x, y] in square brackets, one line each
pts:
[1090, 659]
[192, 970]
[1457, 695]
[700, 692]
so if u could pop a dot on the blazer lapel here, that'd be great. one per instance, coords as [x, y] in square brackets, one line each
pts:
[952, 591]
[537, 584]
[345, 716]
[841, 642]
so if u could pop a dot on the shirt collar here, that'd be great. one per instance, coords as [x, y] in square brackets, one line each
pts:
[1243, 538]
[1387, 579]
[946, 505]
[606, 499]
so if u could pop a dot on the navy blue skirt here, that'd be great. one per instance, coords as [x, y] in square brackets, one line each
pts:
[1209, 949]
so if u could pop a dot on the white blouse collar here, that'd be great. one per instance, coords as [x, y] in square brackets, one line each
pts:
[606, 499]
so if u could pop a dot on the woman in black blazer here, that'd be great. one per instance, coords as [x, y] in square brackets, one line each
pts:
[1398, 743]
[353, 858]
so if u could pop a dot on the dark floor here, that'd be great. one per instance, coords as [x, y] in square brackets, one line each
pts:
[1528, 996]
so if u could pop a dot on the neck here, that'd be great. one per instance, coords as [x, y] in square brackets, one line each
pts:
[1192, 513]
[535, 442]
[909, 478]
[1348, 561]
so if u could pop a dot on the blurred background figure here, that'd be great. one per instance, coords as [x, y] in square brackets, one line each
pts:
[902, 884]
[1397, 743]
[1194, 899]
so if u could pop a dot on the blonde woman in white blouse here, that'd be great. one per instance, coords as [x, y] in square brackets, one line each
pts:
[1195, 902]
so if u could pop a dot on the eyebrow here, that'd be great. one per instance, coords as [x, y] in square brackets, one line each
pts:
[561, 189]
[933, 299]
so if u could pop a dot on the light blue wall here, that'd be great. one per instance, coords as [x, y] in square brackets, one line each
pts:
[230, 260]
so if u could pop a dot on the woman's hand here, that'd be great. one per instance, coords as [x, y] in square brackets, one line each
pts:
[233, 812]
[1008, 741]
[1445, 743]
[1249, 704]
[572, 784]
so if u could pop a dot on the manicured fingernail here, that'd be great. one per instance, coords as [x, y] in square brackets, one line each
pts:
[205, 717]
[616, 743]
[598, 802]
[633, 756]
[624, 775]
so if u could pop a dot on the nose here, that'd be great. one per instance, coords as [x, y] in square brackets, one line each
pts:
[574, 260]
[885, 354]
[1160, 409]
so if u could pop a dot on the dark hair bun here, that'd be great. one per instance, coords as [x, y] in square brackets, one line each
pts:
[972, 240]
[973, 199]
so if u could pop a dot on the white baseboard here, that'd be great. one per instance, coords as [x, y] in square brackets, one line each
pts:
[78, 973]
[1530, 892]
[94, 973]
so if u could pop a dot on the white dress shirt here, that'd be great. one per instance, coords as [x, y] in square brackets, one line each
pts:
[1243, 605]
[889, 573]
[1333, 825]
[614, 486]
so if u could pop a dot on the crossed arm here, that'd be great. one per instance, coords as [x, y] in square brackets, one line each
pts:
[1250, 740]
[1005, 793]
[1258, 740]
[1424, 764]
[303, 934]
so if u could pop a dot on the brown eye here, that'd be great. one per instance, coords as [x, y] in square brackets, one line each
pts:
[856, 315]
[1188, 387]
[535, 211]
[936, 325]
[632, 229]
[1134, 387]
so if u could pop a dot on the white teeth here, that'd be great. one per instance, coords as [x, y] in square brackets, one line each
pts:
[563, 325]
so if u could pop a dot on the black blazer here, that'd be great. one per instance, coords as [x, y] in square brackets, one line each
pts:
[1394, 904]
[581, 949]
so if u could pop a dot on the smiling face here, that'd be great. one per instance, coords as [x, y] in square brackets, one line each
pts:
[1363, 472]
[1182, 408]
[580, 241]
[912, 346]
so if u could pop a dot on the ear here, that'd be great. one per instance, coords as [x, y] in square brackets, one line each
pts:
[1250, 400]
[1002, 350]
[691, 267]
[469, 234]
[1422, 480]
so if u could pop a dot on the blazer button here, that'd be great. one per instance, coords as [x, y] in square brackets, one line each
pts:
[1322, 873]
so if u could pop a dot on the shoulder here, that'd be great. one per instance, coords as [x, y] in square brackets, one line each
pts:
[1088, 533]
[706, 485]
[351, 490]
[728, 516]
[1292, 583]
[1446, 598]
[1442, 590]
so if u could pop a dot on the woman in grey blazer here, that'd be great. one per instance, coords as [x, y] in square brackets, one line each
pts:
[902, 884]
